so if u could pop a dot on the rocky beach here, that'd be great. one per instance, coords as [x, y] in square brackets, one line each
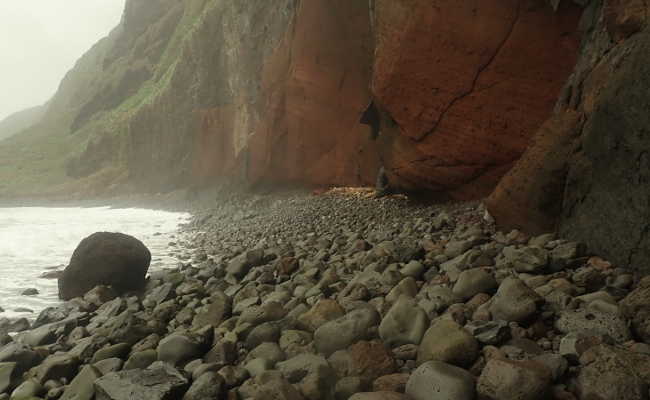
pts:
[342, 295]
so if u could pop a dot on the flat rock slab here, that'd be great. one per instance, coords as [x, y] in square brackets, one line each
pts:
[161, 382]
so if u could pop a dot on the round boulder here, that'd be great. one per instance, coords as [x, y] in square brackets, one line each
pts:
[112, 259]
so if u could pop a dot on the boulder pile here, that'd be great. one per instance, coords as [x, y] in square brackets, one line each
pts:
[340, 297]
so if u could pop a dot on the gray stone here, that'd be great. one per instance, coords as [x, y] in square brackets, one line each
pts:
[8, 376]
[113, 259]
[82, 386]
[312, 373]
[470, 259]
[541, 240]
[30, 292]
[294, 342]
[348, 386]
[233, 375]
[448, 342]
[404, 323]
[27, 390]
[322, 312]
[435, 380]
[267, 312]
[109, 365]
[296, 368]
[141, 359]
[636, 307]
[209, 385]
[555, 363]
[120, 350]
[56, 367]
[526, 259]
[514, 301]
[218, 310]
[407, 287]
[242, 264]
[458, 247]
[342, 332]
[379, 396]
[613, 373]
[440, 296]
[489, 332]
[414, 269]
[224, 352]
[23, 356]
[269, 351]
[100, 295]
[203, 368]
[177, 348]
[474, 281]
[269, 385]
[158, 382]
[514, 380]
[257, 366]
[562, 255]
[591, 321]
[266, 332]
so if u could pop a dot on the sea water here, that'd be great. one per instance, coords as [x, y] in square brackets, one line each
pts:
[36, 240]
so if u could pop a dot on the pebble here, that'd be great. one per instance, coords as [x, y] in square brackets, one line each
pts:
[343, 296]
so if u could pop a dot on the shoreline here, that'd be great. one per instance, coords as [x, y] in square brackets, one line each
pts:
[326, 296]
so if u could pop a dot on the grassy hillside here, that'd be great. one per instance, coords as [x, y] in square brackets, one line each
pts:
[95, 100]
[21, 120]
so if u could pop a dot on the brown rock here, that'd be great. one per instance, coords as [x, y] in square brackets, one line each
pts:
[636, 307]
[391, 383]
[324, 311]
[514, 380]
[370, 360]
[612, 373]
[448, 342]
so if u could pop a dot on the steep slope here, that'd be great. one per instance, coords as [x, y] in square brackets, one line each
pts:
[587, 172]
[196, 91]
[21, 120]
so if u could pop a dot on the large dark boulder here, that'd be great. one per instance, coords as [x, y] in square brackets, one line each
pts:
[112, 259]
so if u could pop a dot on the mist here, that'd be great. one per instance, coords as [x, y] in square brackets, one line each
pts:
[40, 40]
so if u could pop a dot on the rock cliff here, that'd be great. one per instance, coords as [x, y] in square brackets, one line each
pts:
[197, 91]
[586, 172]
[449, 97]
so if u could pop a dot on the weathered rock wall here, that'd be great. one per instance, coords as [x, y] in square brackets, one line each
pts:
[587, 172]
[464, 85]
[273, 93]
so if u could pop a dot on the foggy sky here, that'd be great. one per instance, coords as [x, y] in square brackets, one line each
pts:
[40, 40]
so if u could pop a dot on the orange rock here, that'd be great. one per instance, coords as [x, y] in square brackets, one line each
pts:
[370, 360]
[302, 126]
[391, 383]
[464, 86]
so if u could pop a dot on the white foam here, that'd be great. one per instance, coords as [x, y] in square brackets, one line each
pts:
[33, 240]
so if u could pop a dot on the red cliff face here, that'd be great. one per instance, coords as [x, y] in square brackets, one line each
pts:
[464, 85]
[303, 126]
[273, 92]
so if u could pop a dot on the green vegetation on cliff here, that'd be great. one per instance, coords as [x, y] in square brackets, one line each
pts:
[95, 102]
